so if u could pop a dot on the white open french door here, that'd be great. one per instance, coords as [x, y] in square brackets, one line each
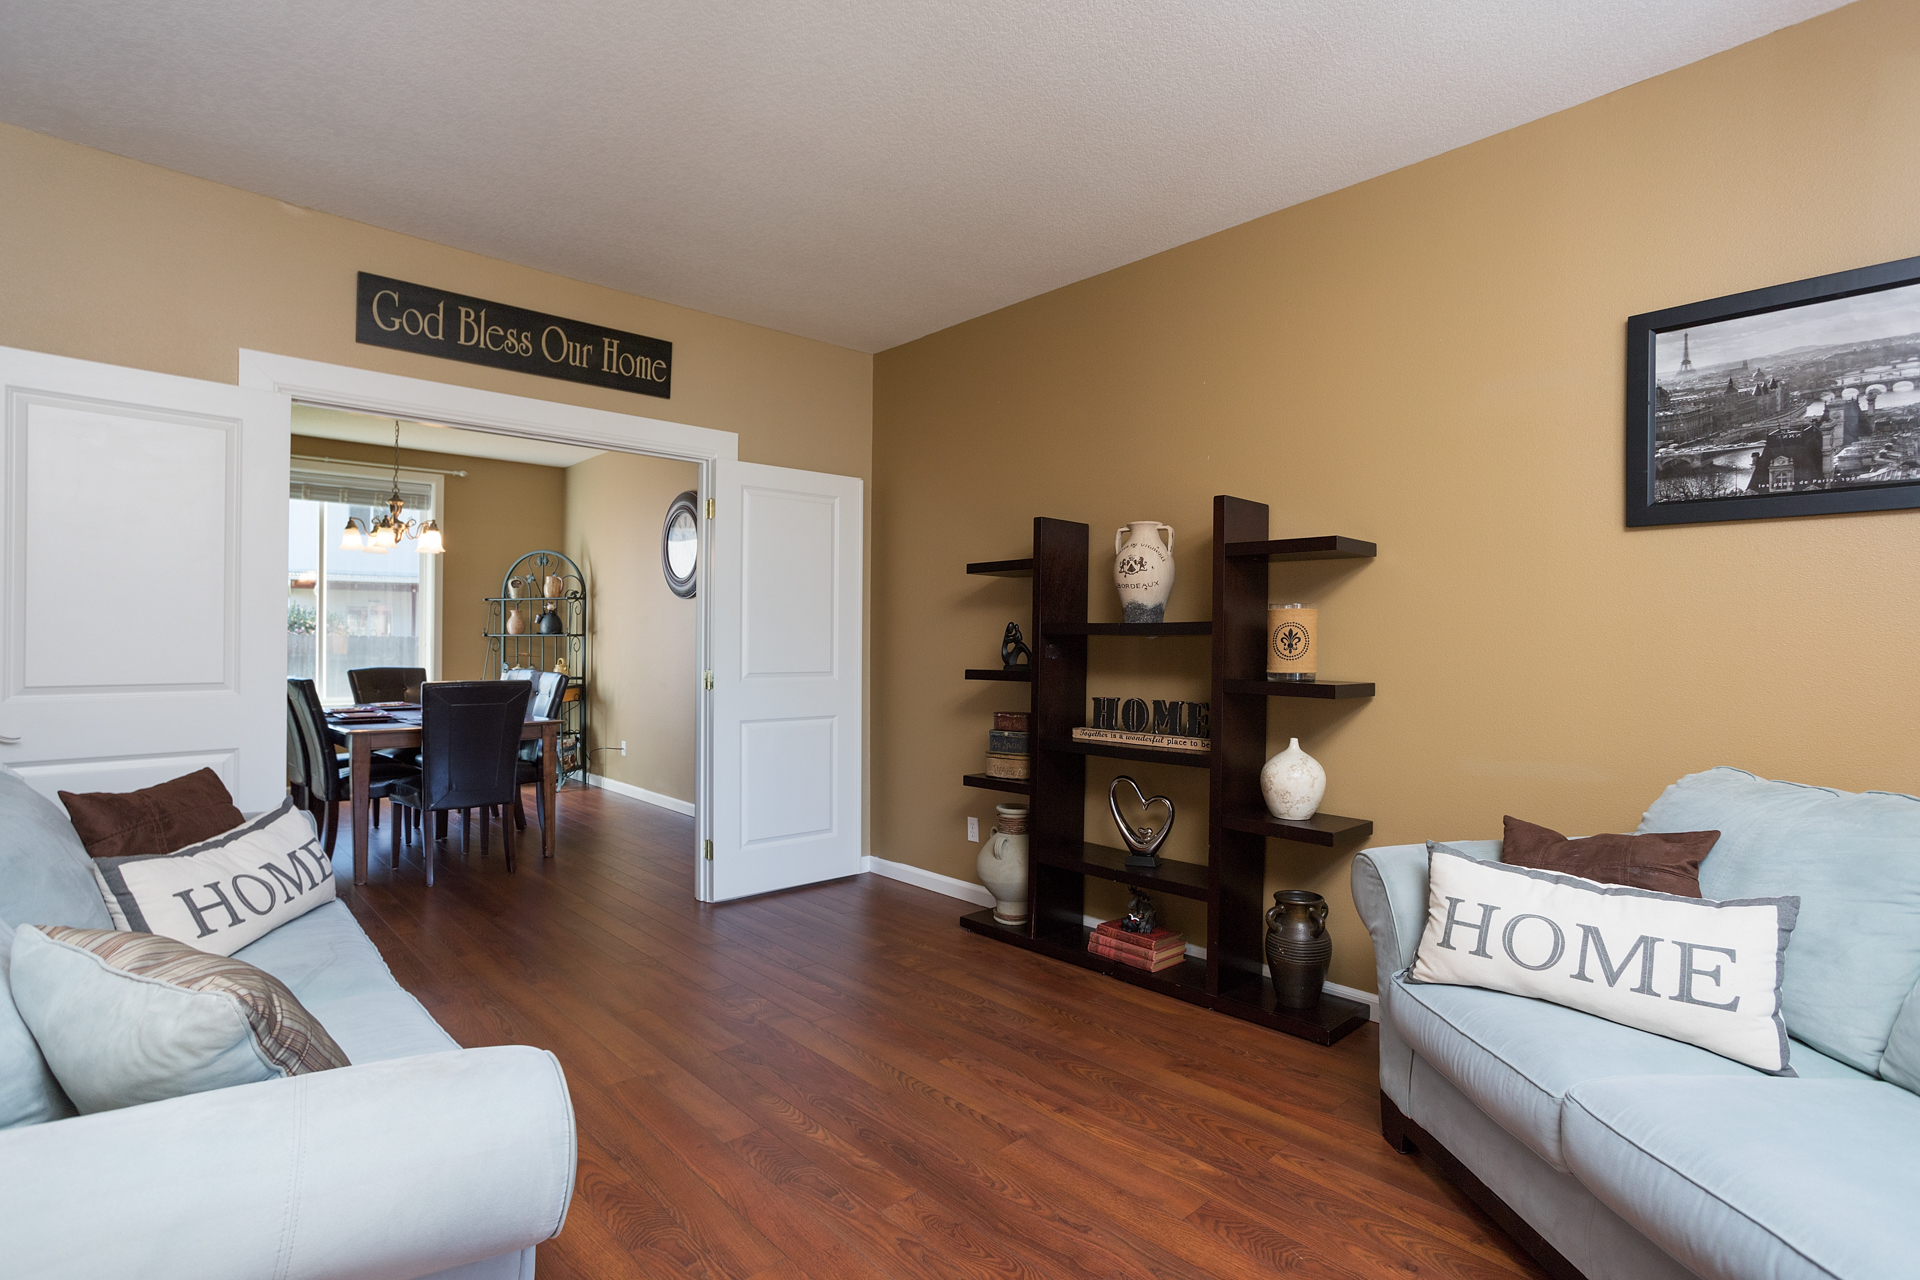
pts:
[785, 550]
[143, 542]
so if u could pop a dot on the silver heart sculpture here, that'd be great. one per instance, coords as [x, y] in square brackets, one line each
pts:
[1143, 841]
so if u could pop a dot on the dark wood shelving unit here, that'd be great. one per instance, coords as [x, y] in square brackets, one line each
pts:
[1335, 690]
[1231, 883]
[987, 782]
[1147, 630]
[1002, 568]
[1121, 751]
[1330, 548]
[1182, 879]
[1021, 674]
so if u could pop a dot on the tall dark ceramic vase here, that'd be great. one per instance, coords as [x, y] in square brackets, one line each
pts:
[1298, 947]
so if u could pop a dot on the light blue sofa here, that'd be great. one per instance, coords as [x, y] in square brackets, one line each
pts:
[421, 1159]
[1614, 1154]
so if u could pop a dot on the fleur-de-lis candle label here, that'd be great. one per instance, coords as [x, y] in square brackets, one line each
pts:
[1293, 642]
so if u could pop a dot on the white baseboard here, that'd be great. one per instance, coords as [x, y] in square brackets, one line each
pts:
[968, 891]
[965, 890]
[641, 794]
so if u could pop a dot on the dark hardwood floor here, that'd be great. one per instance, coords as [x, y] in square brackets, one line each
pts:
[839, 1082]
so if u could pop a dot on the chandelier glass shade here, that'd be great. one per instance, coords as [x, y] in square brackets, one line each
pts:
[378, 537]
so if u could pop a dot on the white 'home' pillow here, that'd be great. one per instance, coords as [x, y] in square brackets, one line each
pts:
[221, 894]
[1706, 973]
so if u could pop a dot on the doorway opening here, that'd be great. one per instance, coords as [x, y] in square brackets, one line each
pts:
[550, 570]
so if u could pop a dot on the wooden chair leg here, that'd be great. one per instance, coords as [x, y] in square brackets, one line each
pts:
[426, 850]
[540, 803]
[374, 806]
[519, 810]
[331, 828]
[440, 824]
[466, 820]
[506, 839]
[485, 823]
[393, 834]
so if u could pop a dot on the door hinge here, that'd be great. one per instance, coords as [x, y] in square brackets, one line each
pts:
[709, 849]
[708, 682]
[709, 508]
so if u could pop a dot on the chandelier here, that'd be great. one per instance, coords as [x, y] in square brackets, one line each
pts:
[383, 535]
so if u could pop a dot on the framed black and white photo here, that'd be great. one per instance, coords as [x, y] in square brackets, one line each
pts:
[1801, 399]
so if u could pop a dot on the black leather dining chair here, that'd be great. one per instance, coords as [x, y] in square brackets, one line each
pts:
[469, 753]
[326, 778]
[387, 684]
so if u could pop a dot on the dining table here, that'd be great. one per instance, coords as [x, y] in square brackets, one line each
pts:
[361, 733]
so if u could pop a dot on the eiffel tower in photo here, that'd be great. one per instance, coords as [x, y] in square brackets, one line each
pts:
[1686, 353]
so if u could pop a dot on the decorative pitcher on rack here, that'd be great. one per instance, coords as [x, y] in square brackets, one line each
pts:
[1143, 570]
[1298, 947]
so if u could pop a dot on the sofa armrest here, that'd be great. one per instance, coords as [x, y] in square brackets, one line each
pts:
[395, 1169]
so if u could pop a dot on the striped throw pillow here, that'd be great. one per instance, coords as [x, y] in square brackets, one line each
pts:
[126, 1018]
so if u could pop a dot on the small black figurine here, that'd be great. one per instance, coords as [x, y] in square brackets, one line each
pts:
[1014, 653]
[1140, 915]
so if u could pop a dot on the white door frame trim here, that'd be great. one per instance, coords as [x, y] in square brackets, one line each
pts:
[335, 386]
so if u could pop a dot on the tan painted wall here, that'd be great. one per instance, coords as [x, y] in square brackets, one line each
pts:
[1434, 360]
[495, 513]
[642, 660]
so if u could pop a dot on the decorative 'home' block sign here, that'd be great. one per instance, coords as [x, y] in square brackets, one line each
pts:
[433, 322]
[1170, 719]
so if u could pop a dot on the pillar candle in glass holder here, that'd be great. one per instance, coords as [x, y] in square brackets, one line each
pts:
[1293, 642]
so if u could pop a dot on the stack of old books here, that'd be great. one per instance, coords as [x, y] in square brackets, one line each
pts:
[1007, 751]
[1161, 949]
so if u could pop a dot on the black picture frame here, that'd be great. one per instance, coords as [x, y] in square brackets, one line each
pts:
[1643, 506]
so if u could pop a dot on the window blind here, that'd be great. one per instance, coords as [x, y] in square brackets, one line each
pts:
[316, 484]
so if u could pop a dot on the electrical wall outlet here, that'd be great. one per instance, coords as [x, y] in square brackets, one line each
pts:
[973, 830]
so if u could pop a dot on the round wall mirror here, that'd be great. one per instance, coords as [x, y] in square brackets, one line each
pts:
[680, 544]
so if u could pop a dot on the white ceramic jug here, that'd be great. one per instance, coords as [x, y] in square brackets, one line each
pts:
[1143, 570]
[1292, 783]
[1002, 864]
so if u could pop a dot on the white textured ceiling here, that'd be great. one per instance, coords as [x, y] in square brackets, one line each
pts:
[856, 171]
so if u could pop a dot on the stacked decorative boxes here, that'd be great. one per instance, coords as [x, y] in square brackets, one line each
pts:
[1008, 754]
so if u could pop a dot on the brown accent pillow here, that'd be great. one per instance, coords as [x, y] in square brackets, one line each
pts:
[154, 820]
[1663, 861]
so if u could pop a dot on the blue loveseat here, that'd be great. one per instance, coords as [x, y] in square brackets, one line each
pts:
[1619, 1155]
[421, 1159]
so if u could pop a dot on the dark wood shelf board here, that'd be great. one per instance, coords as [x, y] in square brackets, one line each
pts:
[1252, 999]
[1147, 630]
[1182, 879]
[1188, 759]
[1327, 548]
[986, 782]
[1338, 690]
[1022, 674]
[1185, 981]
[1322, 828]
[1003, 568]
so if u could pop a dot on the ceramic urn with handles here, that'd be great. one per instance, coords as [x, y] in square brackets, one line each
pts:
[1002, 864]
[1298, 947]
[1143, 570]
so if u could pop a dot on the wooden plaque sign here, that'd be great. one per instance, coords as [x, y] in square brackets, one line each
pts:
[433, 322]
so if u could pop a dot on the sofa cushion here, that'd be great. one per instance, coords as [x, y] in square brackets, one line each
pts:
[28, 1092]
[1516, 1058]
[1853, 861]
[1665, 862]
[1901, 1062]
[43, 866]
[153, 820]
[333, 968]
[1756, 1177]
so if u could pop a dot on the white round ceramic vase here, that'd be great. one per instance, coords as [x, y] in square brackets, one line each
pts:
[1002, 864]
[1292, 783]
[1143, 570]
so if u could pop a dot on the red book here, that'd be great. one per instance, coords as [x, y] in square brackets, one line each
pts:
[1158, 940]
[1152, 963]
